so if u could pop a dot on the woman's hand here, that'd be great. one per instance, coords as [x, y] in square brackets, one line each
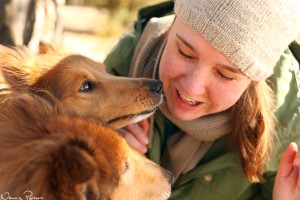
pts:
[137, 135]
[287, 182]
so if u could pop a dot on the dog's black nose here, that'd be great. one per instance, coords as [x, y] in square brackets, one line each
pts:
[156, 86]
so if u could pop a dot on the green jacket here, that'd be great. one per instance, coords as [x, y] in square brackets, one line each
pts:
[219, 176]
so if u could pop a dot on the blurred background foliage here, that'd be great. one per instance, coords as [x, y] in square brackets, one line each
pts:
[117, 14]
[87, 27]
[93, 27]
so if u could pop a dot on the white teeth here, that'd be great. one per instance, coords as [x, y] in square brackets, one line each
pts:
[188, 100]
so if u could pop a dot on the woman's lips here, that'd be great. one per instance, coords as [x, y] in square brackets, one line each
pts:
[186, 101]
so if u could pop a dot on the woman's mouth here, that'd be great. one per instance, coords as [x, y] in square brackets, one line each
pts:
[187, 99]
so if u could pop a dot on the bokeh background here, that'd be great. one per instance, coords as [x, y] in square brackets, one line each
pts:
[88, 27]
[99, 24]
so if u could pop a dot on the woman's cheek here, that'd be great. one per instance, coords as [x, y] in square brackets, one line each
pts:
[171, 67]
[226, 97]
[165, 68]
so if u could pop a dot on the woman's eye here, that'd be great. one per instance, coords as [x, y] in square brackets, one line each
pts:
[86, 86]
[224, 76]
[185, 55]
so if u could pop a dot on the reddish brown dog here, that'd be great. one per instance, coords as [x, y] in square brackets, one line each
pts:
[80, 84]
[50, 156]
[56, 140]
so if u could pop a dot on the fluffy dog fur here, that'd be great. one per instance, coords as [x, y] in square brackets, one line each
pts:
[57, 115]
[81, 85]
[60, 157]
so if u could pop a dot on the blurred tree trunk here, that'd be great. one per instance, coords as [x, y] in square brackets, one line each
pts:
[75, 2]
[27, 22]
[5, 33]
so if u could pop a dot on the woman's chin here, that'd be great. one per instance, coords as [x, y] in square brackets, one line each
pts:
[184, 116]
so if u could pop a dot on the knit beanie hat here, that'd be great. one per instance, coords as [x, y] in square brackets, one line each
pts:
[252, 34]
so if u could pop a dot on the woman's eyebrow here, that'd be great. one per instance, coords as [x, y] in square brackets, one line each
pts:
[185, 42]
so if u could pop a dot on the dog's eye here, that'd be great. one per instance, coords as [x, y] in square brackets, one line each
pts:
[86, 86]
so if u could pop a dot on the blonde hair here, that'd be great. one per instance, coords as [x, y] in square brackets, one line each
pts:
[253, 130]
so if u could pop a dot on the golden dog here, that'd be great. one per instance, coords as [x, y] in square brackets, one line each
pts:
[57, 115]
[50, 156]
[81, 85]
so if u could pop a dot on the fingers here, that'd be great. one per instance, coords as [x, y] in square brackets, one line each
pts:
[140, 131]
[287, 160]
[297, 166]
[136, 135]
[297, 161]
[145, 125]
[287, 182]
[133, 141]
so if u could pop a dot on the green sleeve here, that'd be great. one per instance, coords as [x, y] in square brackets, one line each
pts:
[118, 61]
[284, 82]
[265, 190]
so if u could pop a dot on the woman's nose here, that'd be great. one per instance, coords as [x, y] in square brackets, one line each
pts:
[195, 82]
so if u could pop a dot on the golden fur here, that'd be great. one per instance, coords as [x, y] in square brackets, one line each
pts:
[81, 85]
[57, 115]
[60, 157]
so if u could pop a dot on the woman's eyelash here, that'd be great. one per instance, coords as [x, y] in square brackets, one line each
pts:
[218, 72]
[224, 77]
[183, 54]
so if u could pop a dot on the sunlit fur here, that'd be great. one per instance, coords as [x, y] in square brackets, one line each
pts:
[57, 141]
[66, 158]
[64, 76]
[253, 132]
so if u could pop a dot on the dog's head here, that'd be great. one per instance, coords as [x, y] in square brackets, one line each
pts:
[82, 86]
[86, 90]
[61, 157]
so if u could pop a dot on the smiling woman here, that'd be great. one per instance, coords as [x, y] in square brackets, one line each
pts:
[201, 77]
[216, 127]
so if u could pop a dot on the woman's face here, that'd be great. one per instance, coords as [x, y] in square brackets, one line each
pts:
[198, 80]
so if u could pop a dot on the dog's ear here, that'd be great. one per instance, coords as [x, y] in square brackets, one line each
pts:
[46, 48]
[76, 163]
[13, 79]
[75, 169]
[12, 61]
